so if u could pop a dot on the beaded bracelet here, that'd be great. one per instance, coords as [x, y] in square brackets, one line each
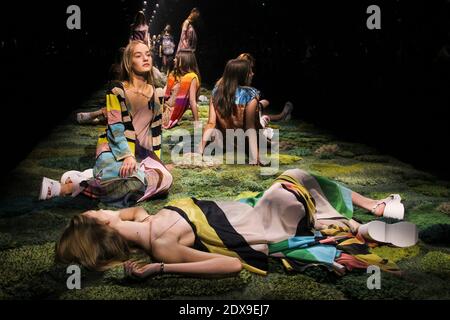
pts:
[161, 268]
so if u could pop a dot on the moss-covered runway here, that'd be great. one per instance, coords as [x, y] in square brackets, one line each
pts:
[29, 228]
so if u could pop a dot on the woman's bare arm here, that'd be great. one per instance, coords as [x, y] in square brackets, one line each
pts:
[193, 98]
[250, 125]
[184, 260]
[207, 132]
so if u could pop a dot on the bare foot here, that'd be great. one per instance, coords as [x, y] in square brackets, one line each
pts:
[67, 188]
[379, 210]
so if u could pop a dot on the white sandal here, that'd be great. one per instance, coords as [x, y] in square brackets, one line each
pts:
[401, 234]
[393, 207]
[49, 189]
[76, 177]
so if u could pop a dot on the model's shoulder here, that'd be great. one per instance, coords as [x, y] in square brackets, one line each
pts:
[117, 88]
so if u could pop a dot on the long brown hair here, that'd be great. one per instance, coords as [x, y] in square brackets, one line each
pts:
[126, 70]
[195, 13]
[93, 245]
[236, 73]
[186, 62]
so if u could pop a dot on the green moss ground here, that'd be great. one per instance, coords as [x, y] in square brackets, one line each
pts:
[28, 228]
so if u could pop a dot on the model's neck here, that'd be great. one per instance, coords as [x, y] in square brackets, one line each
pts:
[139, 82]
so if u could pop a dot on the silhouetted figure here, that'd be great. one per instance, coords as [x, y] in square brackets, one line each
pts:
[140, 29]
[188, 38]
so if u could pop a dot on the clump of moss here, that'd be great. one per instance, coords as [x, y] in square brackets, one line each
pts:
[436, 262]
[287, 145]
[327, 151]
[444, 208]
[373, 158]
[363, 180]
[391, 287]
[437, 234]
[297, 287]
[69, 163]
[426, 215]
[396, 254]
[333, 170]
[346, 154]
[302, 152]
[246, 194]
[160, 287]
[23, 270]
[284, 159]
[432, 190]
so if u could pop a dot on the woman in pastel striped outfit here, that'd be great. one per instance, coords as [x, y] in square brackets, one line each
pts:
[128, 168]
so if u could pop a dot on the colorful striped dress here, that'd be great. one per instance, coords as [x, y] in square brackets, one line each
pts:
[119, 141]
[176, 98]
[276, 223]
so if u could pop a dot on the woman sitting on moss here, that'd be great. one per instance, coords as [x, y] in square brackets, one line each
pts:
[128, 168]
[181, 92]
[197, 237]
[235, 105]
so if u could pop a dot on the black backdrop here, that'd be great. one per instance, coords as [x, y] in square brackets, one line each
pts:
[387, 88]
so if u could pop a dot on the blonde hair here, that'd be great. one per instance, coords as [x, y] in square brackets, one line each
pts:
[93, 245]
[126, 69]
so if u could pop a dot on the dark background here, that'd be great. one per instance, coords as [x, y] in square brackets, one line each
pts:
[387, 88]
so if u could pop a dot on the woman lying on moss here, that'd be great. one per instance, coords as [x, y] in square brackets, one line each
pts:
[201, 238]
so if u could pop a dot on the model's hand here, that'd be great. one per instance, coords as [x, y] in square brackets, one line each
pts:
[128, 167]
[132, 268]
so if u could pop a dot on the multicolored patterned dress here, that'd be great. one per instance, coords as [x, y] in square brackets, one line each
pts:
[188, 38]
[285, 222]
[140, 33]
[126, 136]
[177, 98]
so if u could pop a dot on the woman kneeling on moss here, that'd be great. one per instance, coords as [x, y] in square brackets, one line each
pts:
[202, 238]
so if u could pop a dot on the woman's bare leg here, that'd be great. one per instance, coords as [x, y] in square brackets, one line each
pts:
[367, 203]
[91, 117]
[194, 110]
[95, 114]
[277, 117]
